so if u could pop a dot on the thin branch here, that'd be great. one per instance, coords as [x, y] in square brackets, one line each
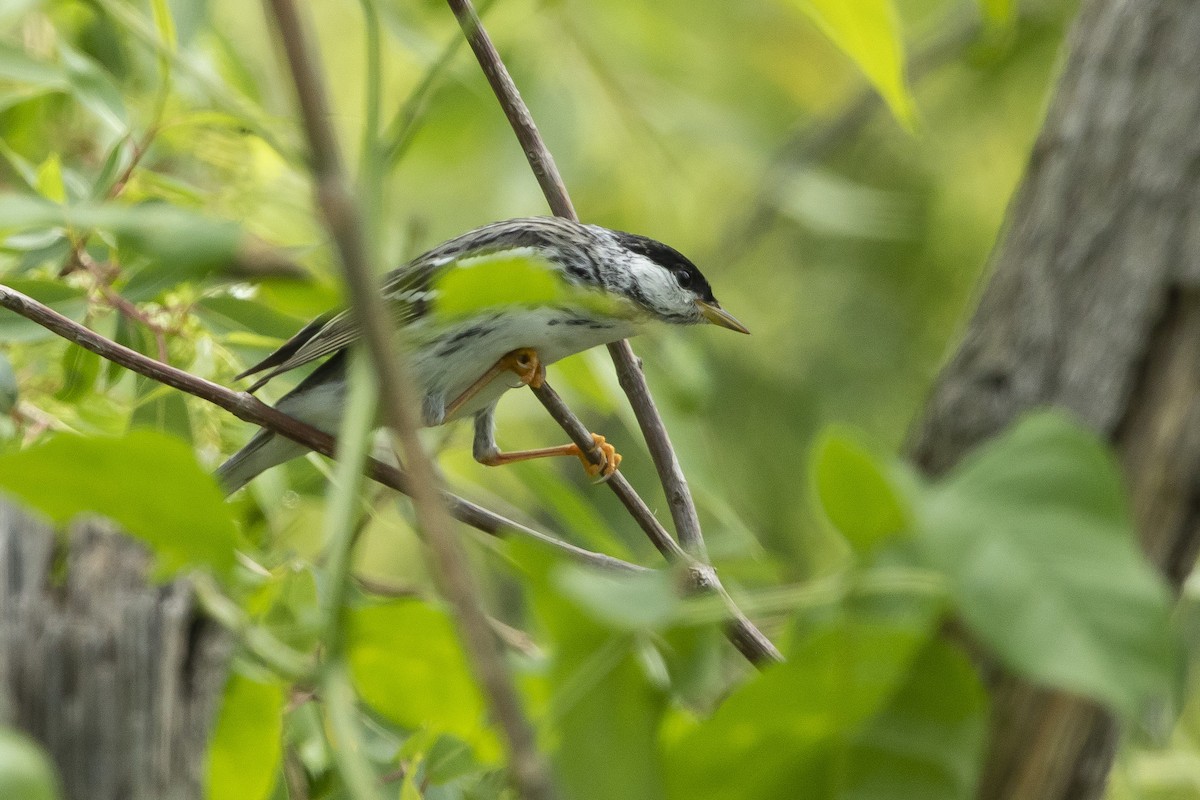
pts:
[249, 408]
[528, 772]
[690, 550]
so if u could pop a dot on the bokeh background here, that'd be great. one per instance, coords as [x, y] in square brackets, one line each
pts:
[851, 246]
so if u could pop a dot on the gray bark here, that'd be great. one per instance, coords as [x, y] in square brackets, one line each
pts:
[1094, 306]
[117, 678]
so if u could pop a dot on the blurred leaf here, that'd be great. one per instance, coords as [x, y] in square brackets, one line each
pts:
[247, 742]
[1033, 532]
[94, 88]
[625, 601]
[606, 702]
[50, 179]
[487, 281]
[224, 313]
[66, 300]
[869, 32]
[180, 243]
[789, 725]
[999, 11]
[856, 494]
[150, 484]
[928, 742]
[25, 771]
[161, 408]
[80, 369]
[408, 665]
[17, 66]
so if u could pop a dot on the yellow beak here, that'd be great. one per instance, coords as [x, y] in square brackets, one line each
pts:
[719, 316]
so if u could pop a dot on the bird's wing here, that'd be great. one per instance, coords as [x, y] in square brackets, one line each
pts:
[405, 294]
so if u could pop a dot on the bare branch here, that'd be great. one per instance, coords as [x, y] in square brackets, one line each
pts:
[690, 550]
[249, 408]
[528, 772]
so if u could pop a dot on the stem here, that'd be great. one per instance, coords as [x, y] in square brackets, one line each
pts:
[528, 772]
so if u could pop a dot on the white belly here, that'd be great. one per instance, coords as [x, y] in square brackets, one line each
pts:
[461, 354]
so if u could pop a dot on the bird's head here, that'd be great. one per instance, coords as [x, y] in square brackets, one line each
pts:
[662, 281]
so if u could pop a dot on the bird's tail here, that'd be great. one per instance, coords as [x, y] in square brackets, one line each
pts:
[262, 452]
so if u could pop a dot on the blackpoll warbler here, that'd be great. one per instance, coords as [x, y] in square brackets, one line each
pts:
[509, 297]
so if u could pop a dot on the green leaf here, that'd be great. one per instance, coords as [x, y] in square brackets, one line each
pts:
[226, 314]
[80, 369]
[17, 66]
[50, 179]
[928, 742]
[856, 493]
[1033, 532]
[94, 88]
[150, 484]
[788, 726]
[408, 665]
[606, 698]
[25, 771]
[869, 32]
[161, 408]
[247, 742]
[178, 243]
[67, 300]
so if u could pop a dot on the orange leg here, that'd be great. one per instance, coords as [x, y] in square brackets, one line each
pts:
[524, 362]
[612, 459]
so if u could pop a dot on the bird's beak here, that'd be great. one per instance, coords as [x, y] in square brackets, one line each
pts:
[719, 316]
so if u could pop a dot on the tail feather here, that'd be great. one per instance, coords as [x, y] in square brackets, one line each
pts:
[262, 452]
[317, 400]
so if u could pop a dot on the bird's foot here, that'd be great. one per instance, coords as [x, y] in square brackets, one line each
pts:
[612, 459]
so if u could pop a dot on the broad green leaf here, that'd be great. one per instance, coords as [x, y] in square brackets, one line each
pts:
[1034, 534]
[856, 494]
[408, 665]
[150, 484]
[473, 284]
[67, 300]
[16, 65]
[247, 742]
[25, 771]
[788, 726]
[928, 742]
[225, 314]
[94, 88]
[869, 32]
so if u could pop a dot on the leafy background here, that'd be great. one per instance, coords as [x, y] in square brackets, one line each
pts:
[154, 187]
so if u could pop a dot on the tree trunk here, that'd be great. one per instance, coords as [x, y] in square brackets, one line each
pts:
[117, 678]
[1094, 306]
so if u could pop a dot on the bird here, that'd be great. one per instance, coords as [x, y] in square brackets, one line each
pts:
[485, 312]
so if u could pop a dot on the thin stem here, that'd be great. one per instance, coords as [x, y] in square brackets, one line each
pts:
[527, 770]
[250, 409]
[744, 635]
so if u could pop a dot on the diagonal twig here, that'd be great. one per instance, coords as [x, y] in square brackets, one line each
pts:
[249, 408]
[527, 769]
[690, 549]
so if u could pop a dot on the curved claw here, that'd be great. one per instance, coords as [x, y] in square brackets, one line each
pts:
[612, 460]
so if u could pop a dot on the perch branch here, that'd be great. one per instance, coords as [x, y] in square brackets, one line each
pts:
[690, 549]
[528, 772]
[249, 408]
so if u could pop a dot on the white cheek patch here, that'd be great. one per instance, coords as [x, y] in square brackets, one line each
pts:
[658, 285]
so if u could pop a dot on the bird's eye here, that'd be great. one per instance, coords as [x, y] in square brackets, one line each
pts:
[683, 277]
